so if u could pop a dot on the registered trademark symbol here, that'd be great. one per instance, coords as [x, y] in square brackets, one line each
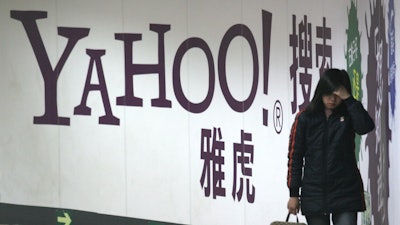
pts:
[278, 117]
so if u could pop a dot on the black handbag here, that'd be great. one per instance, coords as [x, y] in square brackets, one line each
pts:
[287, 221]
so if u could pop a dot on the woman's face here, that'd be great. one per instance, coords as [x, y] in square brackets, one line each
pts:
[331, 101]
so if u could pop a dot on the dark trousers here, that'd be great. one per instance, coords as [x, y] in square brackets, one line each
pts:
[344, 218]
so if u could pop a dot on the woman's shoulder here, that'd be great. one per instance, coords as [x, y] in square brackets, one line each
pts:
[309, 117]
[303, 114]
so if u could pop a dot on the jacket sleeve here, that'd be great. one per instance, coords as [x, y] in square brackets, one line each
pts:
[362, 122]
[296, 154]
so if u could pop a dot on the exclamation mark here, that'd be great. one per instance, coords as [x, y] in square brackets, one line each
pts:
[266, 28]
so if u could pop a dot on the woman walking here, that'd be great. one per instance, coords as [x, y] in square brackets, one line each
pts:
[323, 177]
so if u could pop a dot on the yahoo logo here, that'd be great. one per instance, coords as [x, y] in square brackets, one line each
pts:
[50, 75]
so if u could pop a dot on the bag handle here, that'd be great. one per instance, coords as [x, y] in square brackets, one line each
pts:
[288, 215]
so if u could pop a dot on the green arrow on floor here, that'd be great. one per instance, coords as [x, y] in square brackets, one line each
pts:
[66, 220]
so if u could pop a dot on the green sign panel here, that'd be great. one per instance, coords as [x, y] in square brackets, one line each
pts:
[32, 215]
[63, 217]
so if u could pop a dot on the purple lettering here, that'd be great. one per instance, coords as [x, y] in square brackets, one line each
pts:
[305, 60]
[50, 76]
[73, 35]
[183, 48]
[82, 109]
[294, 43]
[266, 30]
[243, 157]
[323, 50]
[234, 31]
[132, 69]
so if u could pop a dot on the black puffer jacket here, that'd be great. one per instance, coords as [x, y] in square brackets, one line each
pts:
[325, 149]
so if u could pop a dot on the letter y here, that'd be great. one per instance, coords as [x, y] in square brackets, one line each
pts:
[50, 75]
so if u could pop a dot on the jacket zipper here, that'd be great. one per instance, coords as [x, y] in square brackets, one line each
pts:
[325, 167]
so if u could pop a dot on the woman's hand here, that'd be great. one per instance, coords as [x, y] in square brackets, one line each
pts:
[342, 92]
[293, 205]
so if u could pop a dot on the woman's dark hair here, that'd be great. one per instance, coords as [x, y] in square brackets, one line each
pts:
[330, 80]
